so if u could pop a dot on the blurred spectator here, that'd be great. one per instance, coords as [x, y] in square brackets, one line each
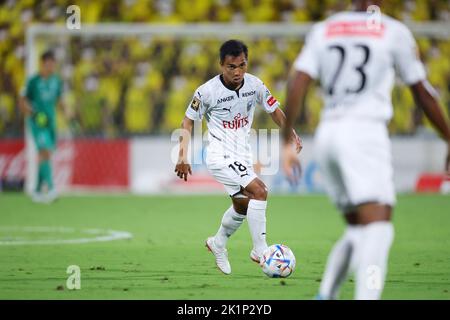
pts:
[141, 85]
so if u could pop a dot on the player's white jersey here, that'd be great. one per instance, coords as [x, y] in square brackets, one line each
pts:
[229, 116]
[355, 62]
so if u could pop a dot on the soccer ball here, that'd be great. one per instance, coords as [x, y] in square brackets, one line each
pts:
[278, 261]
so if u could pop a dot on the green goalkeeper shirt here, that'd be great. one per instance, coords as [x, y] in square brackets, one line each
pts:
[44, 94]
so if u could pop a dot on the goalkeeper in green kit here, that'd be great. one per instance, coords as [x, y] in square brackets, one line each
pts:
[38, 102]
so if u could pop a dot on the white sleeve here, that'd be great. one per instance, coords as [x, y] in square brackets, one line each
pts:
[197, 106]
[308, 59]
[266, 99]
[406, 57]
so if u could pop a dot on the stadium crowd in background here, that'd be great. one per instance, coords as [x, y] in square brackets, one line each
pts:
[139, 85]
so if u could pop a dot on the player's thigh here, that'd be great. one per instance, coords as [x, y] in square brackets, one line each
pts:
[366, 168]
[234, 175]
[52, 137]
[43, 139]
[325, 157]
[333, 182]
[43, 136]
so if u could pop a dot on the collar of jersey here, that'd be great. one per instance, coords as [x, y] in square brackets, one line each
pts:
[237, 90]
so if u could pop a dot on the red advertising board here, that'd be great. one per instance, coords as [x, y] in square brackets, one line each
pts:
[12, 159]
[90, 163]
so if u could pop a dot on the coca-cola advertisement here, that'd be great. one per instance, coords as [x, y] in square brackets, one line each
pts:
[78, 164]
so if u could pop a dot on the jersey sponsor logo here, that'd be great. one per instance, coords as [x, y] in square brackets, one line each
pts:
[229, 98]
[248, 94]
[227, 109]
[195, 104]
[238, 122]
[271, 101]
[354, 28]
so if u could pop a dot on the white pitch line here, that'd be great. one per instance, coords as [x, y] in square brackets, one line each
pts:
[103, 235]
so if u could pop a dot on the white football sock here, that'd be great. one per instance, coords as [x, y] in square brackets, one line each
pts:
[338, 264]
[231, 221]
[256, 218]
[373, 252]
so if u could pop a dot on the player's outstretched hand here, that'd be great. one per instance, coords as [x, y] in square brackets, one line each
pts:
[182, 170]
[291, 164]
[298, 143]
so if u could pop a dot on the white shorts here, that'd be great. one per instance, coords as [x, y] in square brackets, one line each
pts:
[233, 174]
[355, 160]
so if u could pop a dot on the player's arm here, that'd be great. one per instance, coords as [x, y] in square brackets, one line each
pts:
[305, 68]
[194, 112]
[297, 88]
[412, 71]
[279, 118]
[183, 168]
[425, 98]
[24, 106]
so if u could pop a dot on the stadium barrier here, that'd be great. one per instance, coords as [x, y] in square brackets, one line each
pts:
[146, 166]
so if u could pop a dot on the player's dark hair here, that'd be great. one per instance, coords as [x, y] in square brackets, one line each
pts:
[232, 48]
[48, 55]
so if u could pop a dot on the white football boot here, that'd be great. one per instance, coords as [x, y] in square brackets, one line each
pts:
[51, 196]
[221, 256]
[37, 197]
[255, 257]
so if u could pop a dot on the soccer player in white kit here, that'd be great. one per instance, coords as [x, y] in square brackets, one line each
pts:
[355, 58]
[228, 102]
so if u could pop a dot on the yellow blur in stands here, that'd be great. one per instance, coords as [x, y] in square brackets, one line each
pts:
[137, 112]
[136, 85]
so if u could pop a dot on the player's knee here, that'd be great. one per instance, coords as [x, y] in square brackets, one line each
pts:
[44, 155]
[260, 193]
[373, 212]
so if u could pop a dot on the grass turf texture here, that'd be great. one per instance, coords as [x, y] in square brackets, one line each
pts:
[166, 258]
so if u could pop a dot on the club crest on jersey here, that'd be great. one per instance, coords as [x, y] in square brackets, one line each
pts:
[237, 123]
[271, 101]
[229, 98]
[195, 103]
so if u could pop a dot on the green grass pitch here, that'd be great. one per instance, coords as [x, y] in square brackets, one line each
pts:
[166, 258]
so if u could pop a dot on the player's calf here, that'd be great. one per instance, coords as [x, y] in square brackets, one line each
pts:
[256, 216]
[240, 203]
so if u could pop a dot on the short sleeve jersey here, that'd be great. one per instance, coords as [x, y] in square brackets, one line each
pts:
[44, 93]
[229, 114]
[355, 62]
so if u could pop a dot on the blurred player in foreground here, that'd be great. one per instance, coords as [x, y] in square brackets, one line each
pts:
[354, 57]
[228, 102]
[38, 102]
